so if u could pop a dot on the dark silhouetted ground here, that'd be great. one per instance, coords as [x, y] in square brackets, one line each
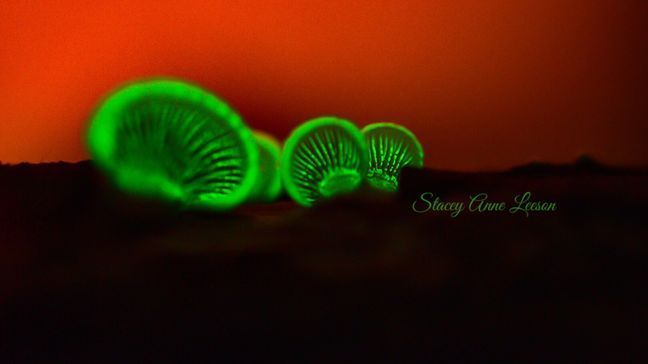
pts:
[91, 276]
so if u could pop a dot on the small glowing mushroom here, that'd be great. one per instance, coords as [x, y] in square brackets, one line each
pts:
[391, 147]
[174, 141]
[268, 185]
[322, 158]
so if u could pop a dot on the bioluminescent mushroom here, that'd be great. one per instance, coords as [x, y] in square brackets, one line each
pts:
[391, 147]
[268, 185]
[322, 158]
[174, 141]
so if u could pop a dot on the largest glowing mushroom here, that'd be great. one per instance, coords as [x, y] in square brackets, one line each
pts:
[175, 141]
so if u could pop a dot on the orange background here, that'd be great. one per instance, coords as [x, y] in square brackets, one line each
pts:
[484, 84]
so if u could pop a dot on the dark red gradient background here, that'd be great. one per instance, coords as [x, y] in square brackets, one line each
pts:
[484, 84]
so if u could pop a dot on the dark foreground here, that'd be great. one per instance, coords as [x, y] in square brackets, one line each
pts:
[90, 276]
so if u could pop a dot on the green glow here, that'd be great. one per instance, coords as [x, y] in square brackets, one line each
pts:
[322, 158]
[175, 141]
[268, 185]
[391, 147]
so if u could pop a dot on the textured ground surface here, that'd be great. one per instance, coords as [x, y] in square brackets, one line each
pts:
[90, 276]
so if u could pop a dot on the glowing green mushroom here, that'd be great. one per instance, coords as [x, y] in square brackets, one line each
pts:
[174, 141]
[268, 185]
[322, 158]
[391, 147]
